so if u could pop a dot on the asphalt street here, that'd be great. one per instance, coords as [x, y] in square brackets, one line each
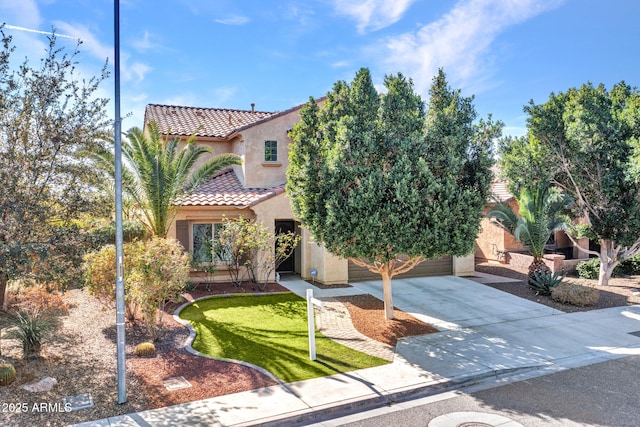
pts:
[604, 394]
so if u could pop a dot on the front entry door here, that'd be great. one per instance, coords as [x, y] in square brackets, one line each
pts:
[285, 226]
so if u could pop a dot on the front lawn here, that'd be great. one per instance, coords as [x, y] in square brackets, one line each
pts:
[269, 331]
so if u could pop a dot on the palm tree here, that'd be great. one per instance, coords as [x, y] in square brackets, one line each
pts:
[540, 215]
[156, 173]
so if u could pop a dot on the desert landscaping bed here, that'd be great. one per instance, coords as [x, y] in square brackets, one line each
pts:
[81, 355]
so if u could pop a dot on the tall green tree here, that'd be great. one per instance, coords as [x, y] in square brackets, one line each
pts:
[50, 120]
[157, 171]
[587, 138]
[541, 212]
[379, 180]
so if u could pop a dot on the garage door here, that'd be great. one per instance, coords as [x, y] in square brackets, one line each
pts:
[433, 267]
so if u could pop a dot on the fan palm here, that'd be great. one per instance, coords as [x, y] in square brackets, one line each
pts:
[157, 172]
[540, 214]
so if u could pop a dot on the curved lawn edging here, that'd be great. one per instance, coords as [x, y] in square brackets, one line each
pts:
[192, 336]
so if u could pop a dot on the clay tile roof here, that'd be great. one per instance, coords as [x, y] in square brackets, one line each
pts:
[225, 189]
[204, 122]
[498, 187]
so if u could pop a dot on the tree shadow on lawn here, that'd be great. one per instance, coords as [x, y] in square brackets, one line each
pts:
[283, 351]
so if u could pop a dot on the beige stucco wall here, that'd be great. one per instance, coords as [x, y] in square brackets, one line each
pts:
[463, 265]
[195, 214]
[493, 241]
[256, 172]
[331, 269]
[207, 214]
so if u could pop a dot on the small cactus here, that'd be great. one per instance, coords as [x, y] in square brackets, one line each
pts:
[145, 349]
[7, 373]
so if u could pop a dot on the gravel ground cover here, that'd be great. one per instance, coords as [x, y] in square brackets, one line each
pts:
[81, 356]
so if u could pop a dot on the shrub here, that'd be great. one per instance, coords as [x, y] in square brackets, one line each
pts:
[156, 270]
[629, 267]
[145, 349]
[32, 297]
[543, 282]
[158, 275]
[106, 234]
[570, 293]
[7, 373]
[589, 269]
[100, 277]
[30, 328]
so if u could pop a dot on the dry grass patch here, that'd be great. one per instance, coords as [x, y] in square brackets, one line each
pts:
[571, 293]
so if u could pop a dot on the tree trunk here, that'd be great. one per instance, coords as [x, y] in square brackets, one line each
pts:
[388, 297]
[4, 278]
[537, 266]
[607, 262]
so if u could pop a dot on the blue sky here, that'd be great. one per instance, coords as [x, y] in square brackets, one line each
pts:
[277, 53]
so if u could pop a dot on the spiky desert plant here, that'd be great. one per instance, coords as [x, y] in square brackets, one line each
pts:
[30, 328]
[544, 282]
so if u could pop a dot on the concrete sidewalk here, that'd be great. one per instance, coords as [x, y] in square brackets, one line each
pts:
[484, 333]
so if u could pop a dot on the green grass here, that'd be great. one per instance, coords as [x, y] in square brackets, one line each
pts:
[269, 331]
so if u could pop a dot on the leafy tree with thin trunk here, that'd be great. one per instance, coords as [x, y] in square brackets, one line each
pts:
[157, 172]
[379, 180]
[585, 141]
[541, 212]
[50, 120]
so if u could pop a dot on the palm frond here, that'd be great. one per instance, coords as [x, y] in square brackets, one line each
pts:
[209, 169]
[541, 213]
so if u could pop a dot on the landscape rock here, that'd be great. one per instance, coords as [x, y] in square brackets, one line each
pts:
[45, 384]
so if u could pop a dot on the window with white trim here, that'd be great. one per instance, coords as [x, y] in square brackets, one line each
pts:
[271, 151]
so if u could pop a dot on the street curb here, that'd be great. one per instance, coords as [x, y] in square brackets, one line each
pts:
[326, 413]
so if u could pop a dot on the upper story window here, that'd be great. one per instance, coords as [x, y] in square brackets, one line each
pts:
[271, 151]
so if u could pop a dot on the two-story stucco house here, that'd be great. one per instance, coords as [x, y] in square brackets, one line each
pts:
[256, 189]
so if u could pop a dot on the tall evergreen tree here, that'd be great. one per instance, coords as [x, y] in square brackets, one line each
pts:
[379, 181]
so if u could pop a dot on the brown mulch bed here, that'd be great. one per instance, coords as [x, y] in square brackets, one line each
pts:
[367, 316]
[619, 292]
[208, 377]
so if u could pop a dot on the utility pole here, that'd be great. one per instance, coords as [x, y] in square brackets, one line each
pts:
[117, 137]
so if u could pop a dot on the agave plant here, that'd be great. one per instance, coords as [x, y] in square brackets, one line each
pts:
[543, 282]
[31, 328]
[540, 214]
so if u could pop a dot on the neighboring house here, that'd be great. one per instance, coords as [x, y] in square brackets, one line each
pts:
[256, 189]
[497, 245]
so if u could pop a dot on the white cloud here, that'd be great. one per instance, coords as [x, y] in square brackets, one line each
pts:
[341, 64]
[90, 44]
[459, 42]
[233, 20]
[24, 13]
[373, 14]
[144, 43]
[137, 69]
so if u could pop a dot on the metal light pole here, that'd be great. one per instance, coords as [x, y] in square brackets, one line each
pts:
[117, 137]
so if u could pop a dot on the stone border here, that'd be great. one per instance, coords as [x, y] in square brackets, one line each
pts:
[192, 335]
